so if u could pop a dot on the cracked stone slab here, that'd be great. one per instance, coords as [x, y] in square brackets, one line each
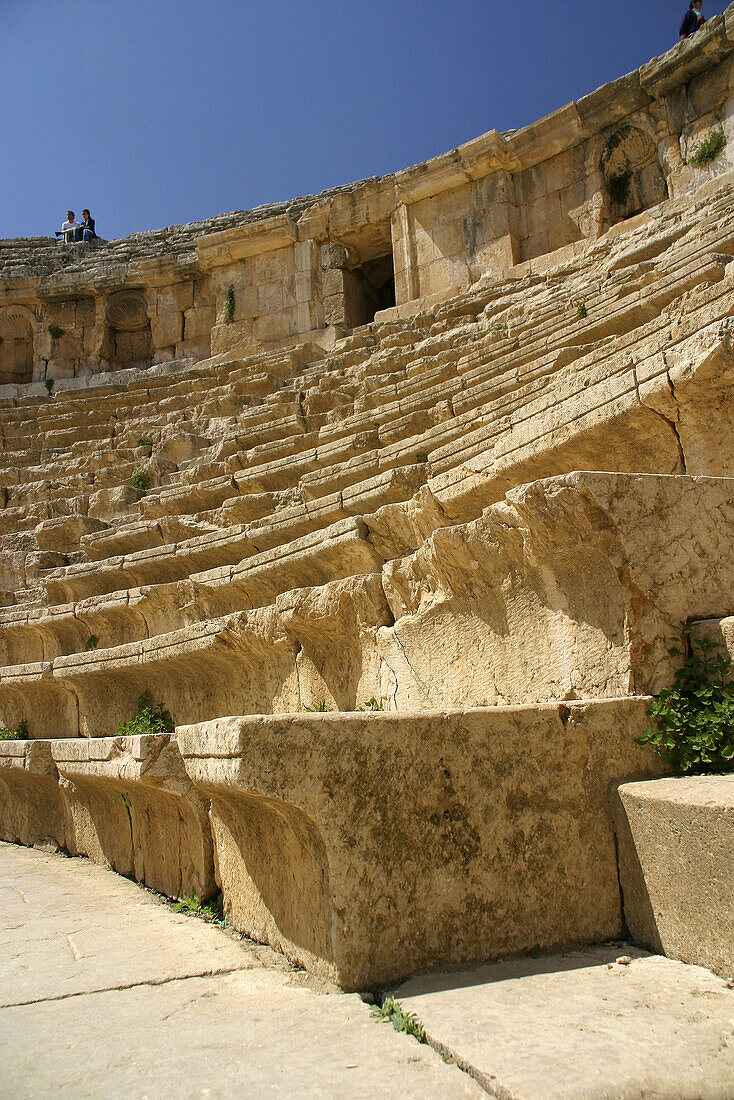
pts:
[580, 1026]
[243, 1034]
[181, 1009]
[69, 927]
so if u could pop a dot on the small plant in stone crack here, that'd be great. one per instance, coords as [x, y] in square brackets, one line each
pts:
[318, 708]
[580, 303]
[709, 148]
[49, 384]
[20, 733]
[121, 800]
[140, 481]
[421, 457]
[391, 1011]
[145, 441]
[92, 642]
[148, 718]
[55, 332]
[229, 306]
[693, 722]
[212, 911]
[371, 704]
[499, 327]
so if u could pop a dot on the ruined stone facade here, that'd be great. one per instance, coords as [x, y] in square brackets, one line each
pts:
[380, 249]
[456, 445]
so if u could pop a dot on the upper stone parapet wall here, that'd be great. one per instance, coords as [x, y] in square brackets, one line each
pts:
[282, 271]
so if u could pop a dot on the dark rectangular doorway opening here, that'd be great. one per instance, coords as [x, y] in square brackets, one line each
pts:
[371, 288]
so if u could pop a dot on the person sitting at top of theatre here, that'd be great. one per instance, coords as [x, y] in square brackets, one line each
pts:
[85, 231]
[69, 227]
[692, 20]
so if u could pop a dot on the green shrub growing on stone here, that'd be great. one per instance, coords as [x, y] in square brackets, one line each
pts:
[148, 718]
[693, 722]
[212, 911]
[140, 481]
[49, 384]
[20, 733]
[145, 441]
[55, 332]
[392, 1011]
[229, 306]
[709, 148]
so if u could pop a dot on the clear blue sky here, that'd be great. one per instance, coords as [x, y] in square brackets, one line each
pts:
[170, 111]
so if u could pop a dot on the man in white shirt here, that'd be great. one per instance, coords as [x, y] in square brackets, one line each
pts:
[67, 229]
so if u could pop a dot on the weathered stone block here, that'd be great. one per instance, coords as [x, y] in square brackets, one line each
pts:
[32, 811]
[676, 864]
[369, 848]
[132, 806]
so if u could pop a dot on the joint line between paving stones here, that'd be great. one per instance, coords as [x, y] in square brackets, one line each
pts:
[489, 1084]
[150, 982]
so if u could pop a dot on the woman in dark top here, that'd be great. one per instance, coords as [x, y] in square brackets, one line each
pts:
[85, 232]
[692, 20]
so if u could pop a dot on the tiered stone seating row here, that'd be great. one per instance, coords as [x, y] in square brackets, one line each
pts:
[331, 489]
[313, 850]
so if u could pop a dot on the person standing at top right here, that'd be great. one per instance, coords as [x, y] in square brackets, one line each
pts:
[692, 20]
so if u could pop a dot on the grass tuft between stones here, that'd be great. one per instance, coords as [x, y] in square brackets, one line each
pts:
[391, 1011]
[211, 911]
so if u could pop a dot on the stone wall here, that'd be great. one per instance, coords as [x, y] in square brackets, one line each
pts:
[524, 198]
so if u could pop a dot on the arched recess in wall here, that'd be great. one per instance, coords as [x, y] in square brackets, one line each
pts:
[127, 341]
[16, 348]
[633, 177]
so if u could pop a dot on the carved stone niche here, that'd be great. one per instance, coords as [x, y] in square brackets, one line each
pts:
[16, 348]
[633, 177]
[128, 341]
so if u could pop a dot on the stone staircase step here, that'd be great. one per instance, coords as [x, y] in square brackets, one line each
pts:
[474, 786]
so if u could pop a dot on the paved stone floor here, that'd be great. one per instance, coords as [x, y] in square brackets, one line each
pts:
[580, 1026]
[105, 991]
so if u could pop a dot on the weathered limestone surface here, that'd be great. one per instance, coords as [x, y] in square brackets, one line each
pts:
[32, 810]
[97, 975]
[570, 588]
[579, 1026]
[370, 847]
[133, 808]
[676, 862]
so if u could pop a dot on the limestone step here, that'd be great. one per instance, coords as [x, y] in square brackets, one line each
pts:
[232, 554]
[455, 830]
[311, 644]
[676, 855]
[112, 787]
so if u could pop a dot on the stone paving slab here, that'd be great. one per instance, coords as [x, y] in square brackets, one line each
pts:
[572, 1027]
[148, 1003]
[70, 927]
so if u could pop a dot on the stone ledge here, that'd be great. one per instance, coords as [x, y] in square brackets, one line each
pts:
[676, 861]
[370, 847]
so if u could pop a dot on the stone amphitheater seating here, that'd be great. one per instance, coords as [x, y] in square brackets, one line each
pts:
[485, 518]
